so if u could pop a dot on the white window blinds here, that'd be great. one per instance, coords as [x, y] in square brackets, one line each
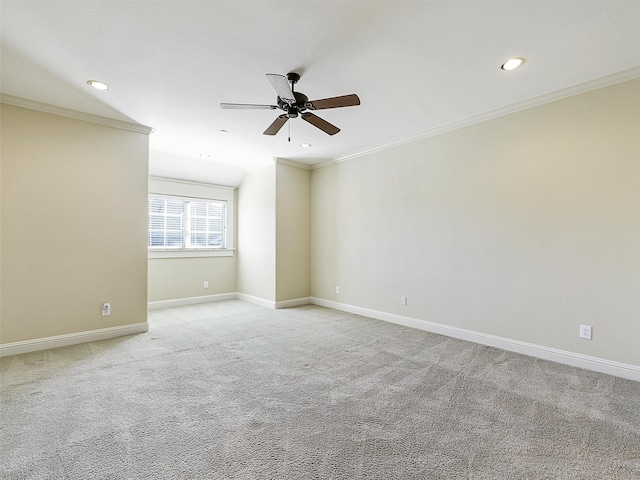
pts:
[176, 223]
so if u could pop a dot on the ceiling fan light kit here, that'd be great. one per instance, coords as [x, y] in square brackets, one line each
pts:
[296, 104]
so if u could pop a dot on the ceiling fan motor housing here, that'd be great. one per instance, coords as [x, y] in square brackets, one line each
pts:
[294, 109]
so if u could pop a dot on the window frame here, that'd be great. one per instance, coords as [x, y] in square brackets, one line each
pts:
[190, 192]
[186, 215]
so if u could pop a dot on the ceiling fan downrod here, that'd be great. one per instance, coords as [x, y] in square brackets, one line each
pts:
[293, 78]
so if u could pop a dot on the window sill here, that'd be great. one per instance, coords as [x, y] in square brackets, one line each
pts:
[190, 253]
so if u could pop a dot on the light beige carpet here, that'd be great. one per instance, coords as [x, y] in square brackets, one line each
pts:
[234, 391]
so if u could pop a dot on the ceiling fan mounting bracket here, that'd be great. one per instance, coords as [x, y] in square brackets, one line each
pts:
[293, 77]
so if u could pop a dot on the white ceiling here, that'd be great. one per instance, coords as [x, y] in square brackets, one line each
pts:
[416, 66]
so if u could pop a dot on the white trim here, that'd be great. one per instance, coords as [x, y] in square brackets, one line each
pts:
[256, 300]
[601, 82]
[294, 302]
[292, 163]
[189, 253]
[630, 372]
[178, 302]
[46, 343]
[65, 112]
[189, 182]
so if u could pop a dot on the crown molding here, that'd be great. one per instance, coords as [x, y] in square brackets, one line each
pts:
[190, 182]
[578, 89]
[292, 163]
[66, 112]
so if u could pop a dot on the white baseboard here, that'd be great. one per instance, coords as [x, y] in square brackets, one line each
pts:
[256, 300]
[295, 302]
[630, 372]
[46, 343]
[178, 302]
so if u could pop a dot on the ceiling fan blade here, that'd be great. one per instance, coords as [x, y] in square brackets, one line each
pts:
[323, 125]
[247, 106]
[282, 87]
[277, 124]
[334, 102]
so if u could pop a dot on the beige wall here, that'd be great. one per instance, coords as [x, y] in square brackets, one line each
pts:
[74, 197]
[257, 234]
[293, 243]
[523, 227]
[274, 234]
[177, 278]
[183, 278]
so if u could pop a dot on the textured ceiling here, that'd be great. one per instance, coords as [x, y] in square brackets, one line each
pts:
[416, 65]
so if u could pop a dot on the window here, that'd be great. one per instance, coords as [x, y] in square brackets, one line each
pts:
[186, 223]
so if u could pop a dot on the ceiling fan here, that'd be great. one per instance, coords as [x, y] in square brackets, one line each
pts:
[296, 103]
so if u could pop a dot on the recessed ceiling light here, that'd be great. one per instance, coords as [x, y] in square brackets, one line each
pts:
[222, 131]
[98, 85]
[512, 64]
[305, 145]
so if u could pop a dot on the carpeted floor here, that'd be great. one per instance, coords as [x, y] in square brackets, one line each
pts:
[234, 391]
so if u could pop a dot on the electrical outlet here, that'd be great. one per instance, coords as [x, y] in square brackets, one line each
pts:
[585, 331]
[337, 289]
[106, 309]
[403, 301]
[206, 284]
